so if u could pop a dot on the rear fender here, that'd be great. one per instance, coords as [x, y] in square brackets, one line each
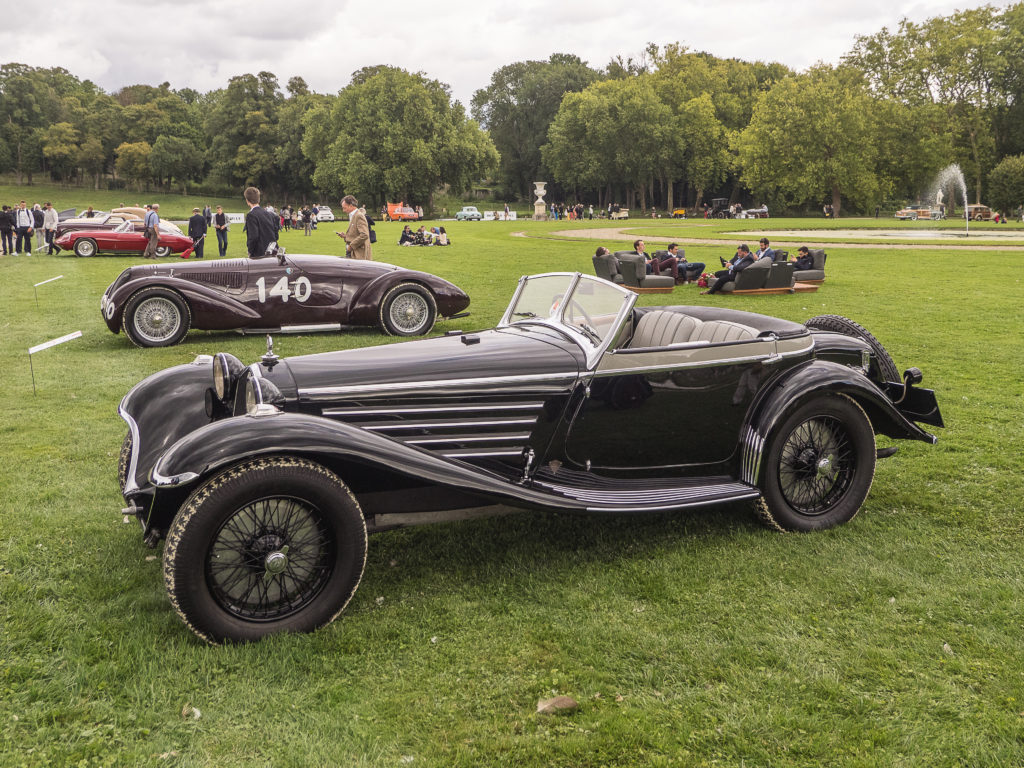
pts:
[211, 309]
[807, 382]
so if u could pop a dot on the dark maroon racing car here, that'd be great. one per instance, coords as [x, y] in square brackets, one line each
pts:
[156, 304]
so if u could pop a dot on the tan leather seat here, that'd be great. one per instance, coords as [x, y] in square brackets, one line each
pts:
[715, 331]
[661, 328]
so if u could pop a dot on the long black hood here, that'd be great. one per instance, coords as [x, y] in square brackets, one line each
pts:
[533, 351]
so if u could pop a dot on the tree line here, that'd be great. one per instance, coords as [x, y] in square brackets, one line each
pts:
[670, 127]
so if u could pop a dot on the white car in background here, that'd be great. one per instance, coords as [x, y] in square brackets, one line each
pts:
[324, 213]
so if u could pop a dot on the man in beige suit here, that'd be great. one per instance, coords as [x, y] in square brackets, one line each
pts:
[357, 236]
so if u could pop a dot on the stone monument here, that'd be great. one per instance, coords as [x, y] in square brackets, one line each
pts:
[540, 210]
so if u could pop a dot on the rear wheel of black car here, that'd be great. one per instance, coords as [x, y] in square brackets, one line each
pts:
[270, 545]
[85, 247]
[156, 317]
[819, 465]
[408, 309]
[847, 327]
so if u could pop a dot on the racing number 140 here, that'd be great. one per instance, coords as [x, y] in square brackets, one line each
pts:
[302, 289]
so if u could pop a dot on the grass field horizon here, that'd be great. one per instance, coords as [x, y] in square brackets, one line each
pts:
[694, 639]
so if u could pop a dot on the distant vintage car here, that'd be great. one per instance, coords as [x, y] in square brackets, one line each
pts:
[324, 213]
[913, 214]
[399, 212]
[469, 213]
[679, 213]
[102, 221]
[264, 479]
[979, 213]
[127, 239]
[156, 304]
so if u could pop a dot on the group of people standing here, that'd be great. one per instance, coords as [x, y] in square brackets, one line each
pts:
[305, 217]
[19, 224]
[571, 212]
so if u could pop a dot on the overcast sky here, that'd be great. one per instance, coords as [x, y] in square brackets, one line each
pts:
[202, 44]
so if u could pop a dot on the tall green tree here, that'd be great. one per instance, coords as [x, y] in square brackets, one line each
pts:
[818, 145]
[241, 128]
[175, 158]
[395, 136]
[61, 150]
[1006, 184]
[517, 108]
[133, 162]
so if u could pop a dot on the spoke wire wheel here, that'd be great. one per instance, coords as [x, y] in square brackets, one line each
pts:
[156, 317]
[273, 544]
[819, 465]
[270, 559]
[408, 310]
[85, 247]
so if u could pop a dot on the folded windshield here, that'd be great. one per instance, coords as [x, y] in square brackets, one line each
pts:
[590, 308]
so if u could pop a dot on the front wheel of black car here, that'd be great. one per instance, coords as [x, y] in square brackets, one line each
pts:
[156, 317]
[408, 309]
[847, 327]
[819, 465]
[270, 545]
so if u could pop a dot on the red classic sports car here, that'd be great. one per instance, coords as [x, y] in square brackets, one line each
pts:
[128, 239]
[156, 303]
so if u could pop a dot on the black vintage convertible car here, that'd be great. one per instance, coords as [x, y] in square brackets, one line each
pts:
[155, 304]
[264, 479]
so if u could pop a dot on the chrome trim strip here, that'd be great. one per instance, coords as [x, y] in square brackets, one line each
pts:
[133, 463]
[401, 409]
[398, 425]
[162, 480]
[700, 357]
[312, 327]
[504, 436]
[482, 454]
[313, 393]
[652, 495]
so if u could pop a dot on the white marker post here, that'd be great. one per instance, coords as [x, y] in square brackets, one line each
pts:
[47, 345]
[36, 287]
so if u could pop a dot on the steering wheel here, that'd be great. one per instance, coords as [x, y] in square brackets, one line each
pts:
[573, 308]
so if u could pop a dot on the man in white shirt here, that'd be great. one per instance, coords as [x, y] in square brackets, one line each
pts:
[50, 220]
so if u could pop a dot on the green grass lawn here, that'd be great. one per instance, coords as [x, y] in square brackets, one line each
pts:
[695, 639]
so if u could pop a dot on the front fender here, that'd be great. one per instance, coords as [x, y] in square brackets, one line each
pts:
[160, 410]
[199, 454]
[365, 304]
[808, 381]
[211, 309]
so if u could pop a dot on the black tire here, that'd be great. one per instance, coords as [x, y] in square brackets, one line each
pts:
[844, 325]
[156, 317]
[270, 545]
[124, 461]
[913, 217]
[819, 465]
[85, 247]
[408, 309]
[163, 251]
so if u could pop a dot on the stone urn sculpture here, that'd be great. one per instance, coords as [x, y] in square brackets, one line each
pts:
[540, 211]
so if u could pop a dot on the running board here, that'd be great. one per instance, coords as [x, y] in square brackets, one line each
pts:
[312, 328]
[605, 494]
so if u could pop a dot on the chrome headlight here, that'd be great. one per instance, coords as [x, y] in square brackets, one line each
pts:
[262, 397]
[226, 370]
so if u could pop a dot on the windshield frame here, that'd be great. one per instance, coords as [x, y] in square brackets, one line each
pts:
[592, 351]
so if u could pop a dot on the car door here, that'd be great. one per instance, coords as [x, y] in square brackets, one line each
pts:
[668, 408]
[300, 291]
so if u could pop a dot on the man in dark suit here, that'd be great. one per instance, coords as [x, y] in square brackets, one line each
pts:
[260, 225]
[197, 231]
[765, 250]
[737, 264]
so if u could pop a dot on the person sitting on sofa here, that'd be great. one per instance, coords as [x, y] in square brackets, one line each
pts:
[804, 260]
[655, 265]
[691, 270]
[737, 264]
[765, 250]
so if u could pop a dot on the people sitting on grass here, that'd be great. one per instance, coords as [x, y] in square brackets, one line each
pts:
[737, 264]
[442, 237]
[406, 237]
